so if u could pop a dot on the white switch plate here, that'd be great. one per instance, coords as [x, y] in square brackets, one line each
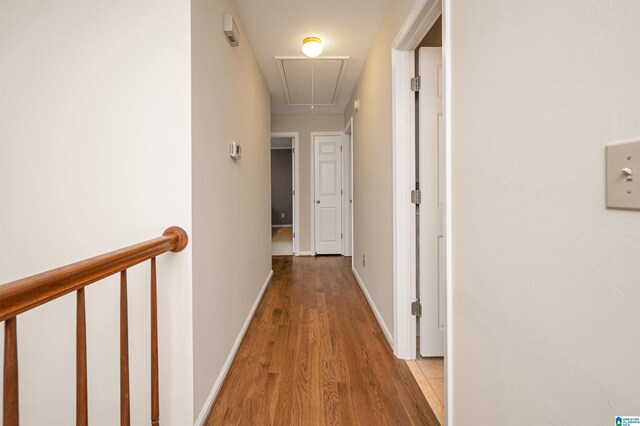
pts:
[623, 175]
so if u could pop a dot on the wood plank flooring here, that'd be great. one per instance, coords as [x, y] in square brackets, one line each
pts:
[282, 241]
[314, 354]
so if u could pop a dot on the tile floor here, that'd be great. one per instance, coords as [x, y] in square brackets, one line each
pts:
[429, 373]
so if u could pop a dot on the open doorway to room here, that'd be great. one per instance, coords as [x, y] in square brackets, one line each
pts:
[283, 194]
[420, 229]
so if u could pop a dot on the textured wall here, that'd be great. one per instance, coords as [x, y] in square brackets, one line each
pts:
[545, 278]
[95, 154]
[372, 166]
[231, 199]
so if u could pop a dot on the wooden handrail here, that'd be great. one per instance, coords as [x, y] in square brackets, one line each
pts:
[22, 295]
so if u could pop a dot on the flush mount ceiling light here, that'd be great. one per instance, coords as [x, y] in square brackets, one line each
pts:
[312, 46]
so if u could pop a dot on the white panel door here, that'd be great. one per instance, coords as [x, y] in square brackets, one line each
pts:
[431, 178]
[327, 194]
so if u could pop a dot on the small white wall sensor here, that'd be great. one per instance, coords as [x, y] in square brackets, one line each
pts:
[231, 30]
[234, 151]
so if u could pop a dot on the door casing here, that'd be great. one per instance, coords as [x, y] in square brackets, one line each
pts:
[347, 185]
[420, 19]
[296, 186]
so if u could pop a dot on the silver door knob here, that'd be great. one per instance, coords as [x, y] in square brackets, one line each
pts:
[317, 201]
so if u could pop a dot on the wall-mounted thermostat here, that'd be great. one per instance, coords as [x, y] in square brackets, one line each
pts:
[623, 175]
[234, 151]
[231, 30]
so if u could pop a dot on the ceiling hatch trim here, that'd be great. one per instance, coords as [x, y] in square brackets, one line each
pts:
[296, 75]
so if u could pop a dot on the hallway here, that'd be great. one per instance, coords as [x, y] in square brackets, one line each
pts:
[314, 354]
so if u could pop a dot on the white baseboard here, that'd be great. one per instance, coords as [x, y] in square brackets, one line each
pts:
[227, 364]
[306, 253]
[374, 308]
[281, 226]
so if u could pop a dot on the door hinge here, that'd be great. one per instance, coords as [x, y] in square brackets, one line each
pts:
[341, 236]
[415, 84]
[416, 196]
[294, 235]
[341, 192]
[416, 309]
[294, 192]
[340, 148]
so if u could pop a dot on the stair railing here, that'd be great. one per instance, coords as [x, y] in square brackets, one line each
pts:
[25, 294]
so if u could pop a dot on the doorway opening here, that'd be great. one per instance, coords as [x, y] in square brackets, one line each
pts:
[431, 256]
[421, 235]
[284, 206]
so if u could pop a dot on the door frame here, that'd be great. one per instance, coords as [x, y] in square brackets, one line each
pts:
[418, 22]
[312, 178]
[296, 184]
[347, 182]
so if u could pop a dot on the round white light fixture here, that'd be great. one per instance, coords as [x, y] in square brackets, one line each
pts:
[312, 46]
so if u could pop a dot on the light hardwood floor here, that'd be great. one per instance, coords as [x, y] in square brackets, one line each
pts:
[282, 241]
[429, 373]
[315, 355]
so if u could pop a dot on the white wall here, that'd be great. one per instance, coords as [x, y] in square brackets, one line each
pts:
[231, 200]
[545, 279]
[372, 166]
[95, 155]
[304, 124]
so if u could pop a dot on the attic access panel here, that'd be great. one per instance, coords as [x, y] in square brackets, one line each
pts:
[311, 81]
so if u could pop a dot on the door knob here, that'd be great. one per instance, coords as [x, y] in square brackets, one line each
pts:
[317, 201]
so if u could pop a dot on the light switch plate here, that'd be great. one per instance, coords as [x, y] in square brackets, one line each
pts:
[623, 175]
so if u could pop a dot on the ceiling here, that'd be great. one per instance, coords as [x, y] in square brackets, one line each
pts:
[276, 28]
[312, 81]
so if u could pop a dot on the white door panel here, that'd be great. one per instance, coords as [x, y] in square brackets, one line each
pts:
[327, 217]
[431, 177]
[328, 178]
[327, 194]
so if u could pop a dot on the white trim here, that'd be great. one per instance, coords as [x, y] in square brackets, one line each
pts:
[351, 193]
[448, 141]
[281, 226]
[296, 185]
[412, 32]
[347, 182]
[374, 308]
[404, 216]
[227, 364]
[417, 24]
[306, 253]
[312, 178]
